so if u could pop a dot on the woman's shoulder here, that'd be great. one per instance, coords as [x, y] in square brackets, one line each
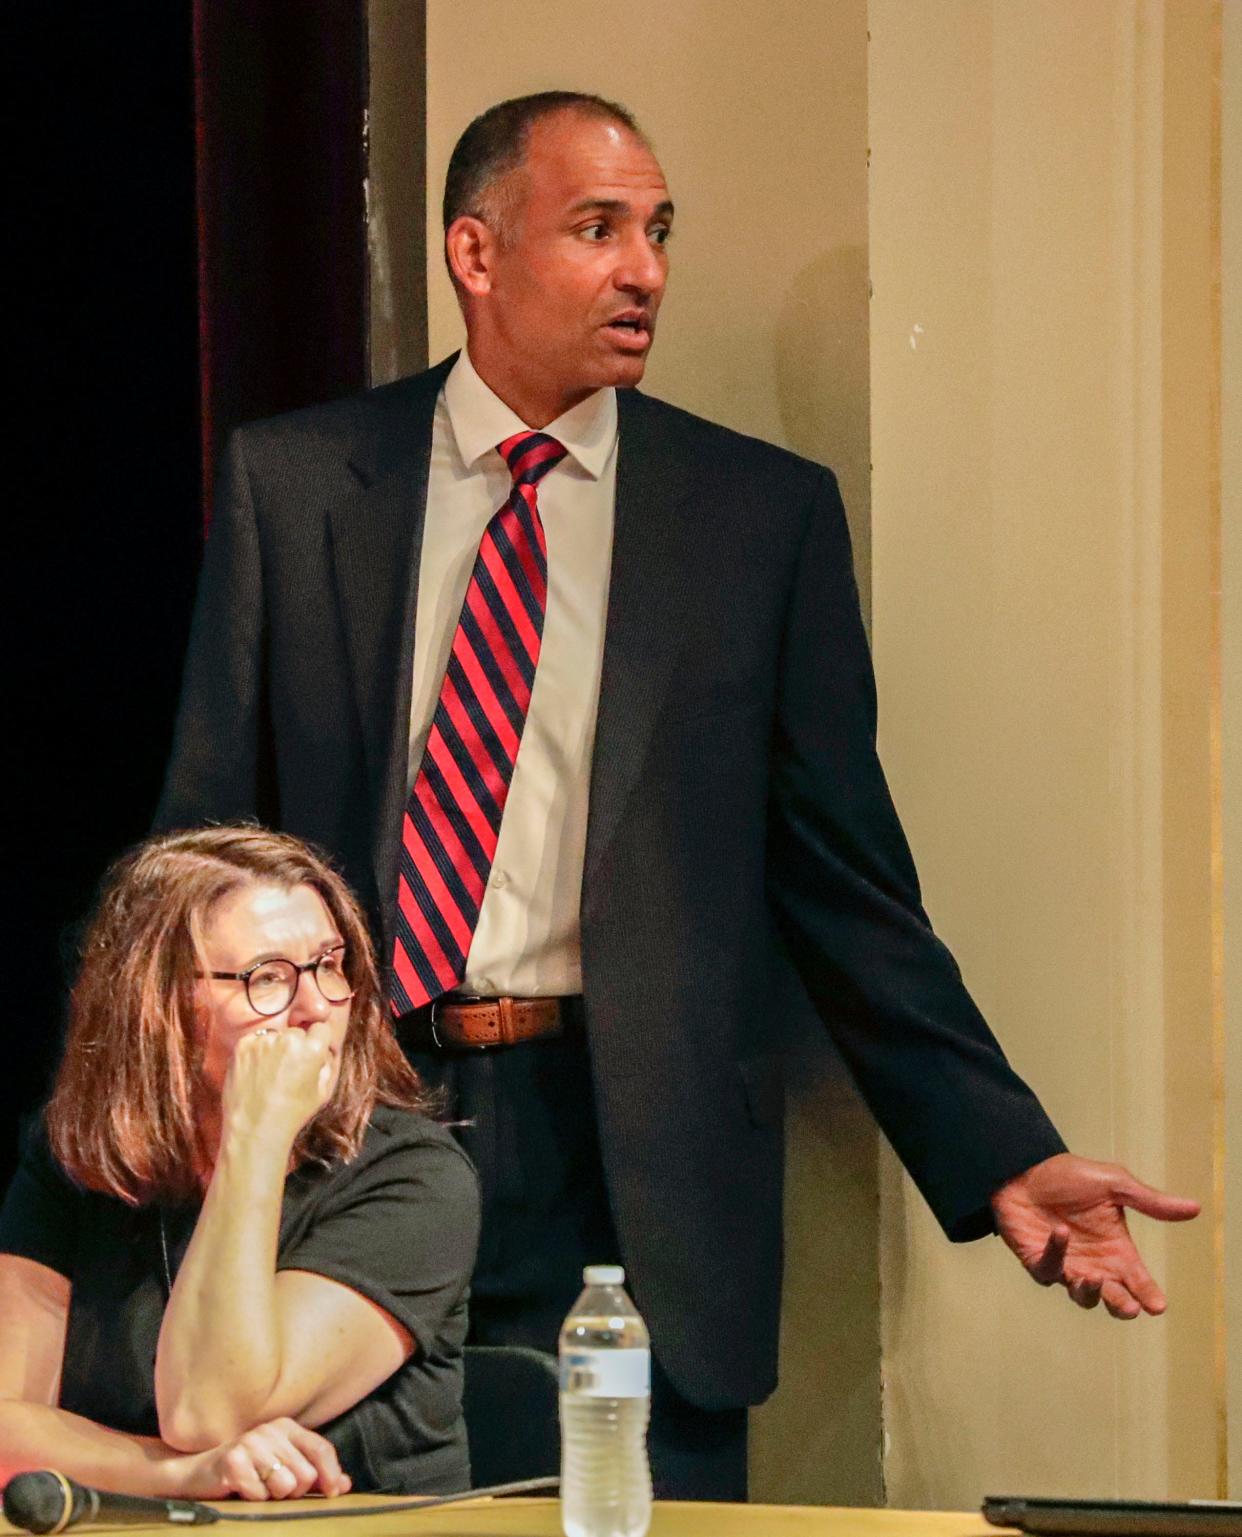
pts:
[392, 1124]
[411, 1140]
[38, 1163]
[42, 1210]
[407, 1163]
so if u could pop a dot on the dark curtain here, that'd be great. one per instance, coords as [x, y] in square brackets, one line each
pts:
[281, 93]
[190, 253]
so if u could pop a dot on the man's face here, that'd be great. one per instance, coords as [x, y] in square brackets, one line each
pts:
[572, 300]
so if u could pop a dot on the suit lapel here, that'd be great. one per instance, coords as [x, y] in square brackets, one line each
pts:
[376, 545]
[376, 548]
[650, 564]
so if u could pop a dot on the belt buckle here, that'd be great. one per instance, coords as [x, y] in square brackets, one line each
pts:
[454, 998]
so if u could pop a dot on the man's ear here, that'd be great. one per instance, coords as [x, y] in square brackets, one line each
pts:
[471, 249]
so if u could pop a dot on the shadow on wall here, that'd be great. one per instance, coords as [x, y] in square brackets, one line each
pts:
[822, 380]
[818, 1440]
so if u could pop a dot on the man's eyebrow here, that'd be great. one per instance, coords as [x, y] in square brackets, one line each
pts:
[662, 210]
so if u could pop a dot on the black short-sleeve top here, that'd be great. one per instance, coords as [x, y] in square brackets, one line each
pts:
[399, 1224]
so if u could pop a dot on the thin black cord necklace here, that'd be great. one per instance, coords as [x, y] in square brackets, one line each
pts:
[164, 1250]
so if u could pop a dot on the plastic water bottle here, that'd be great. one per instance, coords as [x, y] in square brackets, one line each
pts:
[605, 1405]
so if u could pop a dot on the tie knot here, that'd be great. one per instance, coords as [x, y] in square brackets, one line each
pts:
[530, 455]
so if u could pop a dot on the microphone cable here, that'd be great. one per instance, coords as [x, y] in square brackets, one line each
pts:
[46, 1501]
[391, 1507]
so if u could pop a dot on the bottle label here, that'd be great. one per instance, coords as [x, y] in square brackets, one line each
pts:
[606, 1373]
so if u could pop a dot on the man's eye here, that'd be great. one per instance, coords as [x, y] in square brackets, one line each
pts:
[595, 232]
[661, 235]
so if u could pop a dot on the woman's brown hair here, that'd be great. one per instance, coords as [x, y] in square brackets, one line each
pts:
[124, 1112]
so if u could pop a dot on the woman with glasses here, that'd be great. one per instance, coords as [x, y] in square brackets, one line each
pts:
[234, 1258]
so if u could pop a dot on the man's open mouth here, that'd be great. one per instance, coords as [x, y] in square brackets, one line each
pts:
[637, 327]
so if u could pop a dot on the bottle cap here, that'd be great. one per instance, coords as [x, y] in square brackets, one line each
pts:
[604, 1275]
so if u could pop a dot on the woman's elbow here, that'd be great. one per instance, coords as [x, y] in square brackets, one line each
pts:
[182, 1428]
[201, 1409]
[191, 1422]
[197, 1420]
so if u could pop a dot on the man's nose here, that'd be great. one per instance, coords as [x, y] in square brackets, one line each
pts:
[641, 267]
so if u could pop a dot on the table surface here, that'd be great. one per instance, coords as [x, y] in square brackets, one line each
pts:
[541, 1518]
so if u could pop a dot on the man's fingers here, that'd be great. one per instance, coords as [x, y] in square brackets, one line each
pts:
[1048, 1268]
[1155, 1203]
[1118, 1300]
[1085, 1293]
[1145, 1291]
[1136, 1278]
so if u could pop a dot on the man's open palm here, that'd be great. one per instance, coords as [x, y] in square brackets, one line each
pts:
[1065, 1220]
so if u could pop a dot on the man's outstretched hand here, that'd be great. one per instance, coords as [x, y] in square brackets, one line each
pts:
[1065, 1220]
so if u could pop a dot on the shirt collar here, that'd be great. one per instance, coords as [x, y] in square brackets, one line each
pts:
[480, 420]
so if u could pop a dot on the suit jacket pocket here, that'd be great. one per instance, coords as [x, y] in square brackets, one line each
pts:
[763, 1080]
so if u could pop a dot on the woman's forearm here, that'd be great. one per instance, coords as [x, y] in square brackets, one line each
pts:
[38, 1436]
[218, 1365]
[221, 1357]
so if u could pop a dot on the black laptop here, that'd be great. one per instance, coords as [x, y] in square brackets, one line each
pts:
[1115, 1518]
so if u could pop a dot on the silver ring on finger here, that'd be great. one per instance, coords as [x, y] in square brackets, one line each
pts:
[276, 1467]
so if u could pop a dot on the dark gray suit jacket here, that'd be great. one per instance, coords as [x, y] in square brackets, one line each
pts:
[743, 854]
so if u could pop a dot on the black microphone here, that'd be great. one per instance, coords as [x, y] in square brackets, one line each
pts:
[47, 1501]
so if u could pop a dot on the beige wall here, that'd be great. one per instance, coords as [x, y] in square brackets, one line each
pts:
[1038, 228]
[1231, 713]
[758, 114]
[1190, 569]
[396, 222]
[1044, 519]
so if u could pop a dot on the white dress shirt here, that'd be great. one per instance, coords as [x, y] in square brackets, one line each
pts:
[527, 940]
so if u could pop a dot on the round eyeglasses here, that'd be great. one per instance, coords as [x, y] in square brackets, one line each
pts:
[272, 985]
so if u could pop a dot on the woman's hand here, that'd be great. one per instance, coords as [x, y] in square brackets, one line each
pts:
[279, 1460]
[278, 1080]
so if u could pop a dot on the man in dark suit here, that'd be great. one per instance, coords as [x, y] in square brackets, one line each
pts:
[696, 843]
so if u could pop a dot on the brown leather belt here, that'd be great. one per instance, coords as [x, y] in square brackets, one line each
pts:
[477, 1024]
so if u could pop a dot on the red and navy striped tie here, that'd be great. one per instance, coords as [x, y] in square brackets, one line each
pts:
[452, 819]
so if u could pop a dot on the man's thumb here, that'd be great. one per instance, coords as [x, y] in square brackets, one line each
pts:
[1156, 1203]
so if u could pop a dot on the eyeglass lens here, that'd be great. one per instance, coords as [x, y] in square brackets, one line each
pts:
[271, 987]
